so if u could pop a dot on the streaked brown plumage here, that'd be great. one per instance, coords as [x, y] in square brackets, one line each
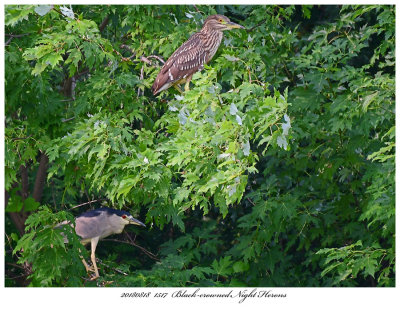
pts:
[191, 56]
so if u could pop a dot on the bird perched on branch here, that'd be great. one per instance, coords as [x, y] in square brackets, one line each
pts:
[97, 224]
[191, 56]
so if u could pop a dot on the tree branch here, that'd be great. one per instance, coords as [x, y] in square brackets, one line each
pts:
[104, 23]
[18, 218]
[258, 25]
[148, 253]
[24, 181]
[132, 243]
[115, 269]
[142, 58]
[90, 202]
[16, 35]
[20, 138]
[19, 222]
[195, 7]
[157, 57]
[12, 36]
[69, 119]
[124, 46]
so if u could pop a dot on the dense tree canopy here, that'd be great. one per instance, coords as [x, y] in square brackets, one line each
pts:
[276, 168]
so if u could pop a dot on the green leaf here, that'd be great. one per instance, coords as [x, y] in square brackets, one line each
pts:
[368, 100]
[30, 204]
[52, 59]
[370, 267]
[15, 14]
[240, 266]
[223, 266]
[15, 203]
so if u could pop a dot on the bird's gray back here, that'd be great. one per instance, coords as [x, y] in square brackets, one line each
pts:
[88, 227]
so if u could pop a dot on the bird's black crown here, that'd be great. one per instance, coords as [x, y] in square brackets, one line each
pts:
[110, 211]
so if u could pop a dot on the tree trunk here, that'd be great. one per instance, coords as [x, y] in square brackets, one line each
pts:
[40, 177]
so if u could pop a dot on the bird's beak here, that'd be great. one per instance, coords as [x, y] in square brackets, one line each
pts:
[232, 25]
[132, 220]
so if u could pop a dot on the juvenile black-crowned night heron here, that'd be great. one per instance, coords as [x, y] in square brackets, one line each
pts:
[191, 56]
[97, 224]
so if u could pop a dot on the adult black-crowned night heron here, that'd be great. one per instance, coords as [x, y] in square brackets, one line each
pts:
[191, 56]
[97, 224]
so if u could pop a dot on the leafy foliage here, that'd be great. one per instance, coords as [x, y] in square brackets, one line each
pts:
[53, 261]
[275, 169]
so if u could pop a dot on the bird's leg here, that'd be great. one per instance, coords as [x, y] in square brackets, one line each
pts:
[187, 83]
[88, 268]
[94, 242]
[178, 88]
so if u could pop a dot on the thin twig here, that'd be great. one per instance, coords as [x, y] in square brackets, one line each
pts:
[16, 277]
[81, 73]
[258, 25]
[16, 35]
[141, 78]
[66, 120]
[251, 202]
[15, 265]
[195, 7]
[148, 253]
[157, 57]
[13, 36]
[115, 269]
[132, 243]
[8, 42]
[144, 59]
[124, 46]
[18, 138]
[9, 243]
[93, 201]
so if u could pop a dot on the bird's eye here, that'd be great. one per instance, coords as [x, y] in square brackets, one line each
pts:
[220, 20]
[123, 216]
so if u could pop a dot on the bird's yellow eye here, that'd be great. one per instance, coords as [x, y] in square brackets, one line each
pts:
[220, 20]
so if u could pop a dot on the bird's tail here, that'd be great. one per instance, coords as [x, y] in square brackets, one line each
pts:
[161, 83]
[59, 225]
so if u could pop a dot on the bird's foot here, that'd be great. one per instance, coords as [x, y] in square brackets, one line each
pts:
[90, 269]
[87, 267]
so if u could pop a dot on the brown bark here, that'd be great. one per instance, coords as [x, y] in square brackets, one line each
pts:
[19, 221]
[67, 86]
[104, 23]
[18, 218]
[40, 177]
[24, 181]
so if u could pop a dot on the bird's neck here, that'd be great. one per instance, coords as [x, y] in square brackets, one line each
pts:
[208, 30]
[211, 40]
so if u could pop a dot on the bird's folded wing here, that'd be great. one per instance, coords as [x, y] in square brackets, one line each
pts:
[186, 60]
